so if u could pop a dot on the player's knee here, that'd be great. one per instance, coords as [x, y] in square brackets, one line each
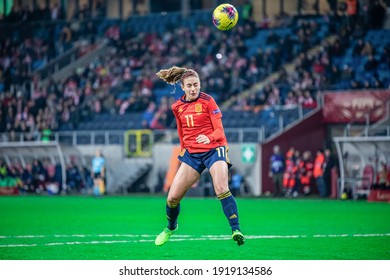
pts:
[220, 188]
[173, 201]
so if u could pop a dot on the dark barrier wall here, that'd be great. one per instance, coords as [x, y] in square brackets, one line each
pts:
[307, 135]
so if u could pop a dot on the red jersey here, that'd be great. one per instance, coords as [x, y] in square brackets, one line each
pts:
[199, 116]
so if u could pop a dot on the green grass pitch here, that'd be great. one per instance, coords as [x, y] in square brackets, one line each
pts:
[124, 228]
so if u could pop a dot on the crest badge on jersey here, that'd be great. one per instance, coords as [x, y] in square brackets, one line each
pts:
[198, 108]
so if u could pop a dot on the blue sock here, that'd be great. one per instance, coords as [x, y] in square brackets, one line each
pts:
[172, 214]
[229, 207]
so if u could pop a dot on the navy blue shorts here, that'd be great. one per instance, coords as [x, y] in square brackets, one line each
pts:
[200, 161]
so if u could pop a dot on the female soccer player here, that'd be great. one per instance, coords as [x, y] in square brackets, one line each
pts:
[203, 144]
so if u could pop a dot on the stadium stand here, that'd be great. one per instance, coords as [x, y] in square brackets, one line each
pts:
[129, 96]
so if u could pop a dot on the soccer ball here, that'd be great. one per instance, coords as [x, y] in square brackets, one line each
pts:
[225, 17]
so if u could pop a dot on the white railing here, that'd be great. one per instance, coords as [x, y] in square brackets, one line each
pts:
[117, 137]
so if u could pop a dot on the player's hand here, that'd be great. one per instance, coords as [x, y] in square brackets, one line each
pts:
[203, 139]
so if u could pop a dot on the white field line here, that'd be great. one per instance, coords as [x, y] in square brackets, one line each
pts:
[140, 238]
[82, 236]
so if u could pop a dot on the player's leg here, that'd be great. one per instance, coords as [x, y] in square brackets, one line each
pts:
[185, 177]
[219, 173]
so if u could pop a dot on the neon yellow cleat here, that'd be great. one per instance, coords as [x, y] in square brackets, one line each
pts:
[238, 237]
[163, 237]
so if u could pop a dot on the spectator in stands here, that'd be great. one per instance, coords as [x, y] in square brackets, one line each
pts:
[65, 39]
[272, 38]
[333, 6]
[148, 115]
[100, 10]
[371, 65]
[274, 97]
[358, 49]
[368, 49]
[308, 100]
[319, 66]
[376, 14]
[113, 33]
[347, 73]
[366, 84]
[46, 133]
[352, 12]
[159, 120]
[306, 81]
[247, 11]
[377, 83]
[334, 75]
[84, 13]
[354, 84]
[56, 12]
[265, 22]
[385, 56]
[337, 49]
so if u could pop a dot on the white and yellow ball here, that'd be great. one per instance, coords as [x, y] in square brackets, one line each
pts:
[225, 17]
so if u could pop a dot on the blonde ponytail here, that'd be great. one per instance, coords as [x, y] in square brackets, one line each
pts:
[175, 74]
